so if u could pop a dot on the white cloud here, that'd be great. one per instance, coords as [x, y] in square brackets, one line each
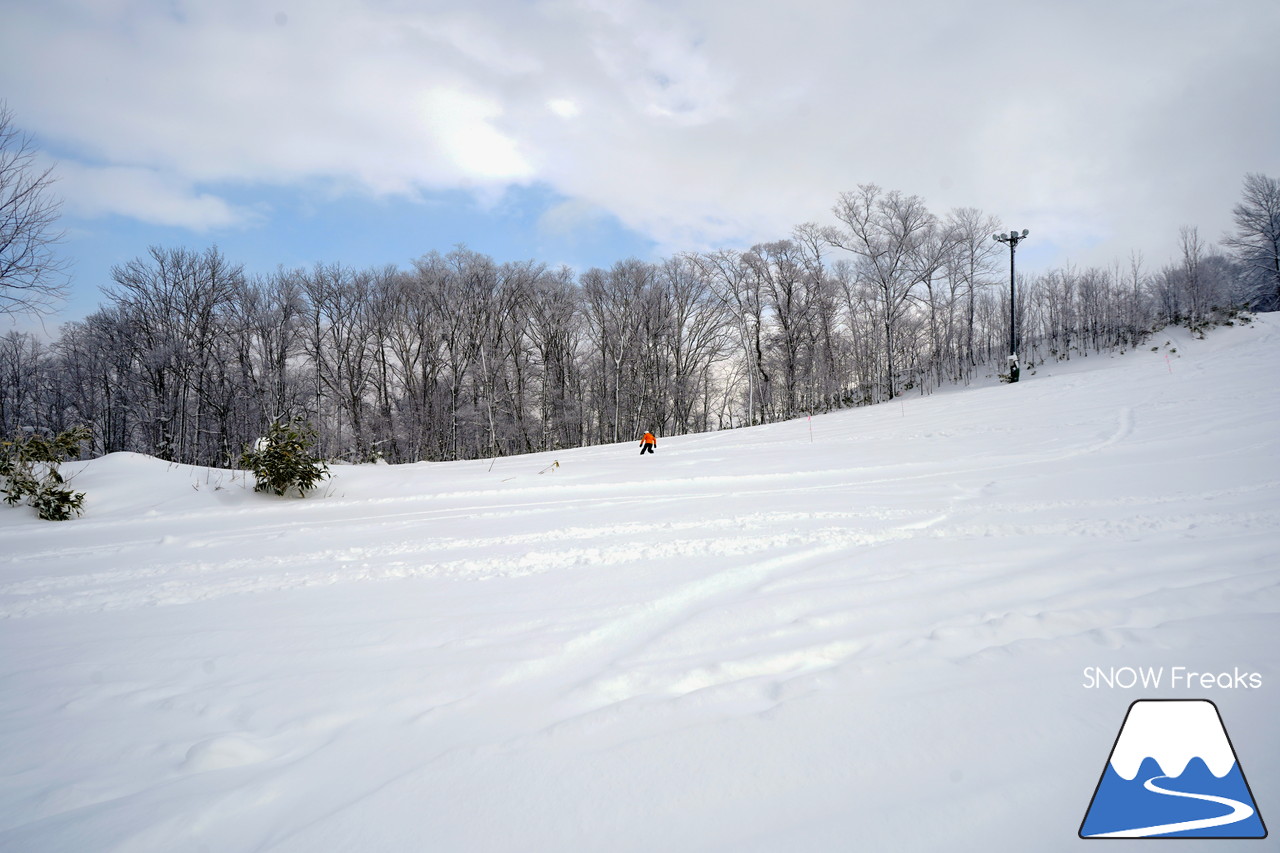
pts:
[145, 195]
[1103, 125]
[570, 217]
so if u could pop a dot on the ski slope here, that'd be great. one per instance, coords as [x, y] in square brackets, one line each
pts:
[863, 632]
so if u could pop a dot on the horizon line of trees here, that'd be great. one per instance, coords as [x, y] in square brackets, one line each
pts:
[190, 359]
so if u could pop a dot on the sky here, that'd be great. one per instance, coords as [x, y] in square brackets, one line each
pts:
[583, 132]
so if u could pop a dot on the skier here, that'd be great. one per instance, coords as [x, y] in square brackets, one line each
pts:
[648, 443]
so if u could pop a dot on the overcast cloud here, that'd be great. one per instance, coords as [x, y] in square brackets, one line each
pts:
[1102, 126]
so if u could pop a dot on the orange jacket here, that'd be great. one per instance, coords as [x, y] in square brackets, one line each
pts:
[648, 439]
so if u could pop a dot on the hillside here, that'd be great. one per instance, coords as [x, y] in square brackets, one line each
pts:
[871, 630]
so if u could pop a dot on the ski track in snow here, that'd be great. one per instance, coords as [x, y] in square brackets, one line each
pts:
[311, 675]
[173, 580]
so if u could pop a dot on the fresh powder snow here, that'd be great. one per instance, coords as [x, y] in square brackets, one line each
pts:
[868, 631]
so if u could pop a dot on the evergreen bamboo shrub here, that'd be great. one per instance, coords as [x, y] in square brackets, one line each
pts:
[29, 473]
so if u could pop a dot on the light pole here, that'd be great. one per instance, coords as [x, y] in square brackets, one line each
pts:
[1013, 238]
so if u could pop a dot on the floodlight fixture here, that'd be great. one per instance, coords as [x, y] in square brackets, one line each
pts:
[1012, 239]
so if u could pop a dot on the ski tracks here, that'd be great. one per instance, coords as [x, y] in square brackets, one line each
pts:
[65, 581]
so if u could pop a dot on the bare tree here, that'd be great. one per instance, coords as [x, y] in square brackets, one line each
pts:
[739, 291]
[888, 232]
[826, 363]
[697, 335]
[1193, 283]
[779, 275]
[464, 300]
[1136, 309]
[173, 305]
[415, 341]
[22, 360]
[554, 306]
[271, 321]
[974, 263]
[935, 268]
[31, 274]
[1257, 239]
[98, 361]
[341, 353]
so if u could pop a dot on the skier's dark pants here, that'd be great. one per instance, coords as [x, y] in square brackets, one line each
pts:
[646, 448]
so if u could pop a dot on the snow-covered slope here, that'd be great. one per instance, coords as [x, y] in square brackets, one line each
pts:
[870, 631]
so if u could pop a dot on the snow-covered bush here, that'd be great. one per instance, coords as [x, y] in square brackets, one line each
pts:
[29, 472]
[282, 460]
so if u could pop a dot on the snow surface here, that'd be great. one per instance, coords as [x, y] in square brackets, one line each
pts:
[1172, 733]
[867, 632]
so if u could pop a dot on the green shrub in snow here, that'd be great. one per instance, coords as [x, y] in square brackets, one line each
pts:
[282, 460]
[29, 472]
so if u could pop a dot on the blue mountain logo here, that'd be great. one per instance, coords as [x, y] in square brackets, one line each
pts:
[1173, 773]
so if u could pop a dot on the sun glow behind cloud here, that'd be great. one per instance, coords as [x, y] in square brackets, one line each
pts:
[463, 128]
[564, 108]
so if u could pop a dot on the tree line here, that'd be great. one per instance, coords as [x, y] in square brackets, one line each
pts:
[191, 359]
